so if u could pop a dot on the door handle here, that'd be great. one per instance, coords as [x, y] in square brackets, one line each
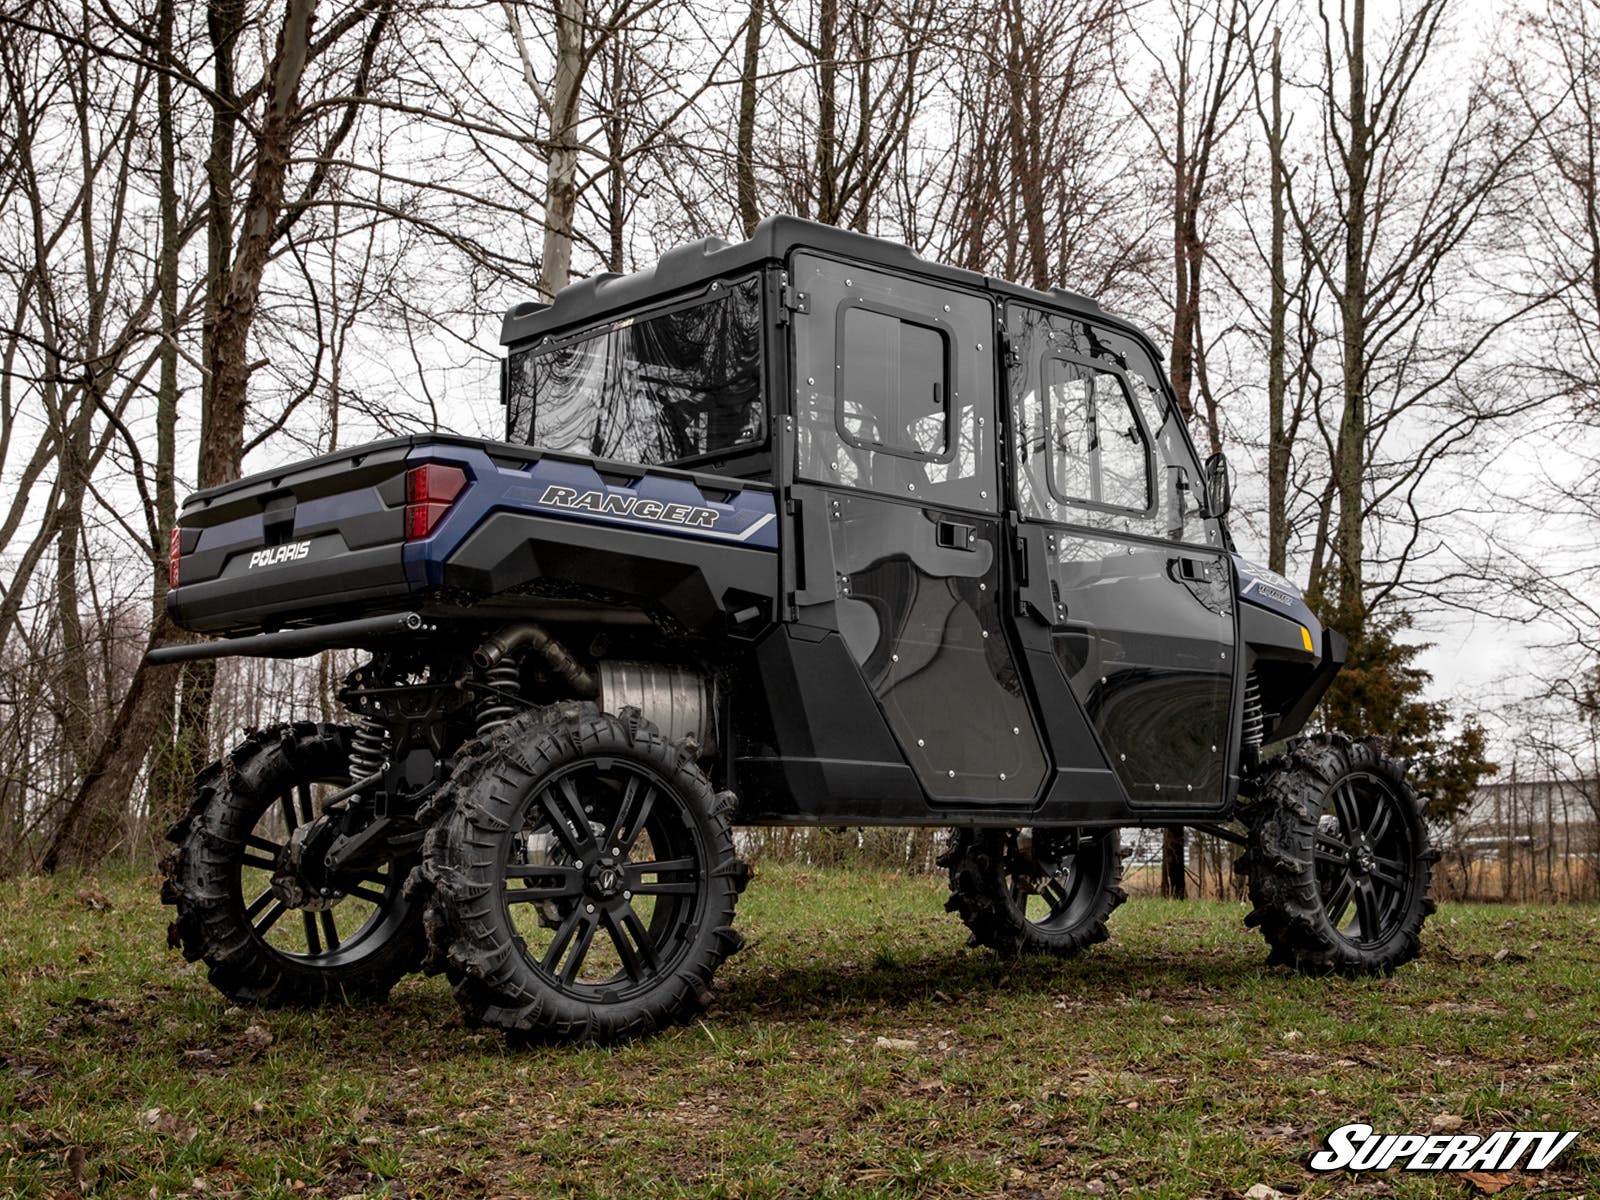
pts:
[954, 535]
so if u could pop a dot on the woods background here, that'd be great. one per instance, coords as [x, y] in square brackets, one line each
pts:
[236, 233]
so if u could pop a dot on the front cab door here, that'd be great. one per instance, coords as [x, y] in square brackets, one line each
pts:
[1131, 581]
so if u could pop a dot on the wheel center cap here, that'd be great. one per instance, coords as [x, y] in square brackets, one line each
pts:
[605, 880]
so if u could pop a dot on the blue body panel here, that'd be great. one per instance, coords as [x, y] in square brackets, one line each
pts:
[671, 505]
[1271, 591]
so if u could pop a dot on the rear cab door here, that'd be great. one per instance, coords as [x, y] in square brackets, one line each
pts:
[895, 447]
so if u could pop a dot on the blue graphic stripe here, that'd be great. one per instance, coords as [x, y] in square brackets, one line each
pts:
[575, 491]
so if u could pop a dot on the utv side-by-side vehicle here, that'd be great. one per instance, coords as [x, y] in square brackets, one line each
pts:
[801, 530]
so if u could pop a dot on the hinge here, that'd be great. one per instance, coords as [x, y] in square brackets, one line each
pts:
[1012, 351]
[790, 301]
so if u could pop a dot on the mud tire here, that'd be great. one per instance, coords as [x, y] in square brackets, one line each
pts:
[1299, 814]
[493, 796]
[203, 875]
[984, 891]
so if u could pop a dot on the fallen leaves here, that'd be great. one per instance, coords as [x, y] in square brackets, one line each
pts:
[93, 899]
[899, 1045]
[1489, 1183]
[159, 1120]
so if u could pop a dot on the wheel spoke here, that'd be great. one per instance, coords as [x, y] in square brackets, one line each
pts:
[255, 860]
[562, 939]
[1056, 896]
[303, 790]
[1326, 840]
[367, 894]
[1381, 819]
[330, 929]
[556, 881]
[290, 821]
[565, 812]
[1335, 858]
[1339, 899]
[313, 941]
[1367, 909]
[267, 922]
[1344, 803]
[580, 947]
[633, 811]
[256, 905]
[662, 885]
[627, 952]
[261, 843]
[1389, 873]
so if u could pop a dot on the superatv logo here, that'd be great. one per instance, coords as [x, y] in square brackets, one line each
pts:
[608, 504]
[1360, 1148]
[274, 555]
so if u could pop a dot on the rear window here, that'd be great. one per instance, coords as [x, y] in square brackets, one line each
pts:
[681, 384]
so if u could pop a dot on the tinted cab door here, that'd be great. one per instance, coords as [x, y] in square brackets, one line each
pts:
[1139, 596]
[895, 426]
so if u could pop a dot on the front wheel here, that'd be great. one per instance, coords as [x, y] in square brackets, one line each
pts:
[583, 879]
[1035, 891]
[1338, 861]
[267, 942]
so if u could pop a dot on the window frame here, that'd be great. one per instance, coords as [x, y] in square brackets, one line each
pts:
[710, 292]
[905, 316]
[1096, 367]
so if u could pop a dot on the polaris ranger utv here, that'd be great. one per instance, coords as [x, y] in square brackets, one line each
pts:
[802, 530]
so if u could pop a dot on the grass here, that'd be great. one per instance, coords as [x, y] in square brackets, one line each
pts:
[1167, 1063]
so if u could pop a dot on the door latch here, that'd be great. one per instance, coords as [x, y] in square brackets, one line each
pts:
[953, 535]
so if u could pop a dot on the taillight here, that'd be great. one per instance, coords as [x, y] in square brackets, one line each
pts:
[430, 490]
[174, 554]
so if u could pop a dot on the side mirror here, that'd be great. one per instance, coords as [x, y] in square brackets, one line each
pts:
[1219, 485]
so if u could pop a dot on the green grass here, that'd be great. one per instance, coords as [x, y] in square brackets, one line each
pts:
[1168, 1062]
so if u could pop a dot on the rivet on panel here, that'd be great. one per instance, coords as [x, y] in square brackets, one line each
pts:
[952, 774]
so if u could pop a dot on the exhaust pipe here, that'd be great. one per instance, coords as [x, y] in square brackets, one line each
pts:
[537, 638]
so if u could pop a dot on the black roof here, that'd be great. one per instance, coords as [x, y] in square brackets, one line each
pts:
[686, 267]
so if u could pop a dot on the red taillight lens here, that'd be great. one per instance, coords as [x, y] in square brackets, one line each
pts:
[430, 490]
[174, 554]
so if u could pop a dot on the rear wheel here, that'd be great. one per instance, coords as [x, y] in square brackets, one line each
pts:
[583, 879]
[1338, 862]
[1035, 891]
[266, 939]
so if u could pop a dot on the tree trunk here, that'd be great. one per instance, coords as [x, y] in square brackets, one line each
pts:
[116, 764]
[1277, 338]
[223, 447]
[1350, 468]
[745, 163]
[1174, 879]
[167, 788]
[561, 183]
[827, 112]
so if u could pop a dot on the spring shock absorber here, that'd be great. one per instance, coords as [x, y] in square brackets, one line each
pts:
[1255, 721]
[505, 680]
[369, 749]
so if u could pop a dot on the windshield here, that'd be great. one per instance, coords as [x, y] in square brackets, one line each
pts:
[681, 384]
